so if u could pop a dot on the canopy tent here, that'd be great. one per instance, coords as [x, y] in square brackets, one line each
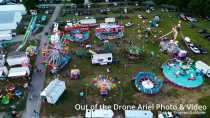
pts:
[53, 91]
[19, 72]
[99, 113]
[138, 114]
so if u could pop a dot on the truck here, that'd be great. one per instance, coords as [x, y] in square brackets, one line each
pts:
[203, 67]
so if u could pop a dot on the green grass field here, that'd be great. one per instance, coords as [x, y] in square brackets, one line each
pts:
[127, 93]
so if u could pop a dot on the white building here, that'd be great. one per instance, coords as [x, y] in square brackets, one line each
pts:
[138, 114]
[99, 113]
[19, 72]
[10, 17]
[53, 91]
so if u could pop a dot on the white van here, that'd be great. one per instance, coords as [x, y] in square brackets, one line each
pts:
[203, 67]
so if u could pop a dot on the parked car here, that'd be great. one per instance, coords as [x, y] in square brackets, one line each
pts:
[191, 19]
[202, 31]
[182, 17]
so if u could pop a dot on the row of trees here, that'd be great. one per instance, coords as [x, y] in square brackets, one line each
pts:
[198, 7]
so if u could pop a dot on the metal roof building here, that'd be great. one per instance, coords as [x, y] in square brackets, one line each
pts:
[10, 17]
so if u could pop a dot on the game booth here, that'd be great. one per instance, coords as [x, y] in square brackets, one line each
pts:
[77, 32]
[109, 30]
[148, 83]
[182, 73]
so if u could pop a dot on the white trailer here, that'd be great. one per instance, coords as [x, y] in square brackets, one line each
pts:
[203, 67]
[17, 59]
[102, 59]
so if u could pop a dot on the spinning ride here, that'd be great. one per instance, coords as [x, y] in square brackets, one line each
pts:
[148, 83]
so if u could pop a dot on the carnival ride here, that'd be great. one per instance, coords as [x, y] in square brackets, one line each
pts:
[171, 46]
[11, 92]
[30, 28]
[148, 83]
[182, 74]
[108, 31]
[77, 33]
[75, 74]
[104, 84]
[154, 22]
[32, 50]
[134, 52]
[56, 55]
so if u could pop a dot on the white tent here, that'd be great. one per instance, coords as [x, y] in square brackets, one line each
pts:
[138, 114]
[17, 59]
[53, 91]
[99, 113]
[19, 72]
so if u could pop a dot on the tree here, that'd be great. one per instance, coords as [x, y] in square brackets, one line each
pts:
[196, 6]
[77, 1]
[181, 4]
[207, 7]
[29, 4]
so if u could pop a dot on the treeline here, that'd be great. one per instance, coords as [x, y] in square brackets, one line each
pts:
[197, 7]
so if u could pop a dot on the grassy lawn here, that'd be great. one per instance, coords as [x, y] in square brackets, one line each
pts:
[126, 92]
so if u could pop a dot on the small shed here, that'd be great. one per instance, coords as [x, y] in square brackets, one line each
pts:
[110, 20]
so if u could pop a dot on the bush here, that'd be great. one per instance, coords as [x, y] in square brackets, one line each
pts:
[205, 101]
